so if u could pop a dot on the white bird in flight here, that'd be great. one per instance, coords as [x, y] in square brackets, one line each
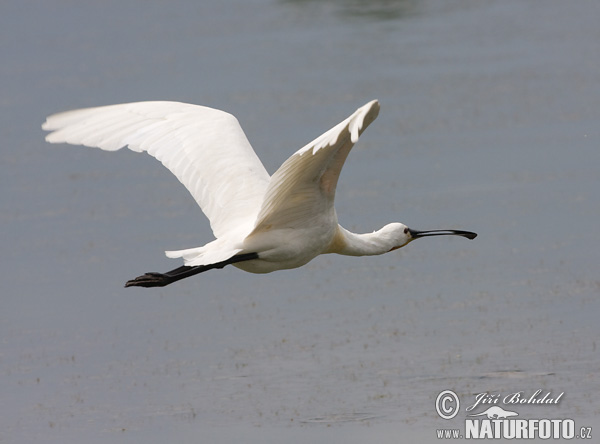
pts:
[261, 223]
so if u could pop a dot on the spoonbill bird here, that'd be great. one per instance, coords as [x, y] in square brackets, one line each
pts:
[261, 223]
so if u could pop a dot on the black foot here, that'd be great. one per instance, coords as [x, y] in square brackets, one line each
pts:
[162, 279]
[150, 280]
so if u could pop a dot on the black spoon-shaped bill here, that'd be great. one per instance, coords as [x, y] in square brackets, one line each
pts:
[417, 234]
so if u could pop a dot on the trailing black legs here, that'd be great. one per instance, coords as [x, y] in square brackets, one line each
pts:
[161, 279]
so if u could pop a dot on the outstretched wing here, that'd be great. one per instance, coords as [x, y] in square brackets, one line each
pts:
[205, 148]
[303, 188]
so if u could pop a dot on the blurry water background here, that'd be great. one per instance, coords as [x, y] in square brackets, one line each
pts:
[489, 122]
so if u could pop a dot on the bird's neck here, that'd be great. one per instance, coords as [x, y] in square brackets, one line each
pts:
[352, 244]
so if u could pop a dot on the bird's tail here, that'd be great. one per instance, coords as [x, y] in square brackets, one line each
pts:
[211, 253]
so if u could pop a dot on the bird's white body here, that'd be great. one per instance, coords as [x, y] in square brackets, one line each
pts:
[283, 221]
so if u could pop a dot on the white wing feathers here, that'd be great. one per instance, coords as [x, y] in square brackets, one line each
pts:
[205, 148]
[303, 188]
[208, 152]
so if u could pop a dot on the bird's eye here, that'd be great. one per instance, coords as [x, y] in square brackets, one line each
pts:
[406, 230]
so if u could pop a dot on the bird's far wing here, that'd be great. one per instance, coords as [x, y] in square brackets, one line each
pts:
[205, 148]
[303, 188]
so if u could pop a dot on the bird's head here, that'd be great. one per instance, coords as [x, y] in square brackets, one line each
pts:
[398, 235]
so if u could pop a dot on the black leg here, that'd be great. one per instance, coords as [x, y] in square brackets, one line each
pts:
[161, 279]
